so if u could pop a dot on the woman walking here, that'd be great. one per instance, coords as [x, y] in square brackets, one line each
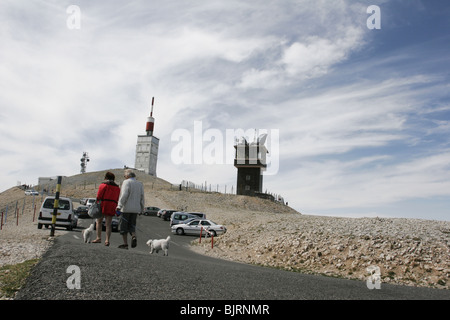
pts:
[108, 193]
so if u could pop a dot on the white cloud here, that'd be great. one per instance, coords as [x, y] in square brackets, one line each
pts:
[316, 55]
[277, 65]
[365, 183]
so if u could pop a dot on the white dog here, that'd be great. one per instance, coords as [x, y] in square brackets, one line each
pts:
[87, 233]
[161, 244]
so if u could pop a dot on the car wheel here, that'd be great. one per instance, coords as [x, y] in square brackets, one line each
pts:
[39, 225]
[180, 231]
[213, 233]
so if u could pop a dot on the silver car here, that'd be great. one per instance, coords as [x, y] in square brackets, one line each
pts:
[195, 226]
[180, 217]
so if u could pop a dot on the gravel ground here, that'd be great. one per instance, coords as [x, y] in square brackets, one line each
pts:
[407, 251]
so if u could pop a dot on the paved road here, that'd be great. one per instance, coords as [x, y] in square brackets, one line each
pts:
[112, 273]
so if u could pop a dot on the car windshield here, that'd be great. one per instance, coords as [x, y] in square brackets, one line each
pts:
[62, 204]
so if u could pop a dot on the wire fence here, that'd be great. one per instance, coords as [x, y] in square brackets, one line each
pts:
[13, 212]
[225, 189]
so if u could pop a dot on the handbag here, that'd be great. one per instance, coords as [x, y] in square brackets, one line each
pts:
[95, 210]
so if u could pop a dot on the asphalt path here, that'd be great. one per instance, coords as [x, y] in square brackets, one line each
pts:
[110, 273]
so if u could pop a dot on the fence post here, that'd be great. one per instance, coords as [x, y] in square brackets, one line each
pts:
[55, 206]
[32, 205]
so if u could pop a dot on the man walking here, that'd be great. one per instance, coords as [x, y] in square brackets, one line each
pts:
[131, 203]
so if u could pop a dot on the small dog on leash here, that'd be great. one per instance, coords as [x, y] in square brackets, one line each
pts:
[160, 244]
[87, 233]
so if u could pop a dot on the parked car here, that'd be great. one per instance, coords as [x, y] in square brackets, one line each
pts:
[166, 214]
[199, 215]
[90, 201]
[82, 212]
[151, 211]
[31, 193]
[193, 228]
[114, 224]
[74, 223]
[179, 217]
[64, 213]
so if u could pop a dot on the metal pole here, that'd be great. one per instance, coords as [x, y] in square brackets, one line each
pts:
[55, 206]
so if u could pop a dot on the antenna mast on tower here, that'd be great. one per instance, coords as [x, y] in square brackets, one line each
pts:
[150, 121]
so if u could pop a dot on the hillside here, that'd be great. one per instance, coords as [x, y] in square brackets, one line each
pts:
[159, 193]
[406, 251]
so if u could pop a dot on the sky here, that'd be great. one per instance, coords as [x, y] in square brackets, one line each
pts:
[354, 95]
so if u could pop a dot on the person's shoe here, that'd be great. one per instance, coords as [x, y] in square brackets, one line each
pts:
[123, 246]
[133, 242]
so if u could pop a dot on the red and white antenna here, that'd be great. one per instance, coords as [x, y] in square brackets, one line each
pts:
[153, 101]
[150, 121]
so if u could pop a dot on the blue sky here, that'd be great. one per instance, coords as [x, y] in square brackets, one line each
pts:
[362, 116]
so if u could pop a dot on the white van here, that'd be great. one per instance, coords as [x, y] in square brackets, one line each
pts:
[200, 215]
[90, 201]
[180, 217]
[64, 214]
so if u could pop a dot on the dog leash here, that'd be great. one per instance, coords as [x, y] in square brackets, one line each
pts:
[150, 237]
[133, 225]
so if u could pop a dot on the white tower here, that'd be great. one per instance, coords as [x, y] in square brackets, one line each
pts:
[147, 148]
